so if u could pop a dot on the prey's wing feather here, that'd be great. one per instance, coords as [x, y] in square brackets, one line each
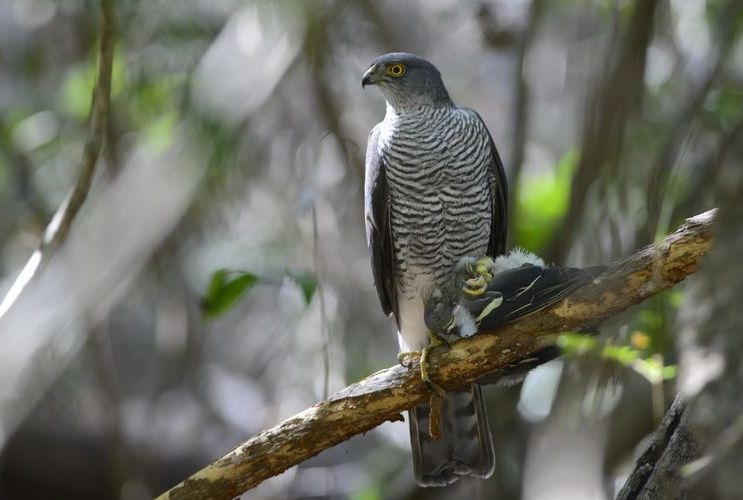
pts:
[378, 230]
[528, 289]
[499, 198]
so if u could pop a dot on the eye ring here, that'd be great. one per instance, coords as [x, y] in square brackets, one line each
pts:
[396, 70]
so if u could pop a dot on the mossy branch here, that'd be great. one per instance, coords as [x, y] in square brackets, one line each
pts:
[384, 395]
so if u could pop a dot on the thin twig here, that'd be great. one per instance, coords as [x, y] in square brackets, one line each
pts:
[324, 326]
[57, 230]
[385, 394]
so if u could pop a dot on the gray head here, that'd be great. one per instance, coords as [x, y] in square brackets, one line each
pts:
[407, 81]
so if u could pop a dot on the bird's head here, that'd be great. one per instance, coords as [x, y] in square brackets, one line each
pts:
[406, 81]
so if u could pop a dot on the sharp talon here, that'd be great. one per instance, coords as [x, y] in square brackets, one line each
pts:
[475, 286]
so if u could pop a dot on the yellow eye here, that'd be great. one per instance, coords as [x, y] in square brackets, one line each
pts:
[396, 70]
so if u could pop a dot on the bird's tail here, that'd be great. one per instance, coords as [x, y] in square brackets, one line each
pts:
[465, 447]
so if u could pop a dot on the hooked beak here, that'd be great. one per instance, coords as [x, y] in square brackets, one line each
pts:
[370, 77]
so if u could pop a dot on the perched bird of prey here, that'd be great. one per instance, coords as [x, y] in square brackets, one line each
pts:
[485, 294]
[435, 192]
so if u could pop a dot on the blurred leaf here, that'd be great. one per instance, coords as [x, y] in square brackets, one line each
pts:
[650, 321]
[77, 90]
[669, 372]
[620, 353]
[223, 292]
[370, 493]
[675, 298]
[653, 369]
[576, 344]
[151, 96]
[722, 106]
[159, 133]
[542, 202]
[308, 282]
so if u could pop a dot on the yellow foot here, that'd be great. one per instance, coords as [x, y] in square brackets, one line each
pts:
[475, 286]
[485, 268]
[406, 360]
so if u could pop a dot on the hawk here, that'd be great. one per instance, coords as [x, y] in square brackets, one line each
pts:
[435, 191]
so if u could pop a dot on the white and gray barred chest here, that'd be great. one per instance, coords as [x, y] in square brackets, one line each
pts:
[437, 163]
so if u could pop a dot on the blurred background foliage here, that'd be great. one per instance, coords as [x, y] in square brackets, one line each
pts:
[613, 117]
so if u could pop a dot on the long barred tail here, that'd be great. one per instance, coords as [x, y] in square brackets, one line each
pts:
[465, 447]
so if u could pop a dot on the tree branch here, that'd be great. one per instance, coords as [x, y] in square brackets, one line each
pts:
[57, 230]
[656, 473]
[384, 395]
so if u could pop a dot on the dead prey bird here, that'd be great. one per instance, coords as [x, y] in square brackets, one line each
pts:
[485, 294]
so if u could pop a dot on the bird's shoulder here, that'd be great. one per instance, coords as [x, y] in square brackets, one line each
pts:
[372, 145]
[473, 116]
[373, 161]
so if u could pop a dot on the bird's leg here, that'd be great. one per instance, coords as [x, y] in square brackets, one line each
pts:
[435, 341]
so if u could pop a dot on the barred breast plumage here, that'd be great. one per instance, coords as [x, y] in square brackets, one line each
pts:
[437, 167]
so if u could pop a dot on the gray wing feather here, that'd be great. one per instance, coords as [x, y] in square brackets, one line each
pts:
[378, 229]
[499, 198]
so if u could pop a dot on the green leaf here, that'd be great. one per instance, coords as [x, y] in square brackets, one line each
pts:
[621, 353]
[654, 370]
[75, 94]
[576, 344]
[152, 96]
[219, 277]
[308, 282]
[676, 299]
[223, 292]
[159, 133]
[542, 201]
[669, 372]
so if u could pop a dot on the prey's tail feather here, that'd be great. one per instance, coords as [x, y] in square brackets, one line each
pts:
[465, 447]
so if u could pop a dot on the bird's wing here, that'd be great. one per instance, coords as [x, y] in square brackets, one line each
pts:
[528, 289]
[378, 230]
[499, 198]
